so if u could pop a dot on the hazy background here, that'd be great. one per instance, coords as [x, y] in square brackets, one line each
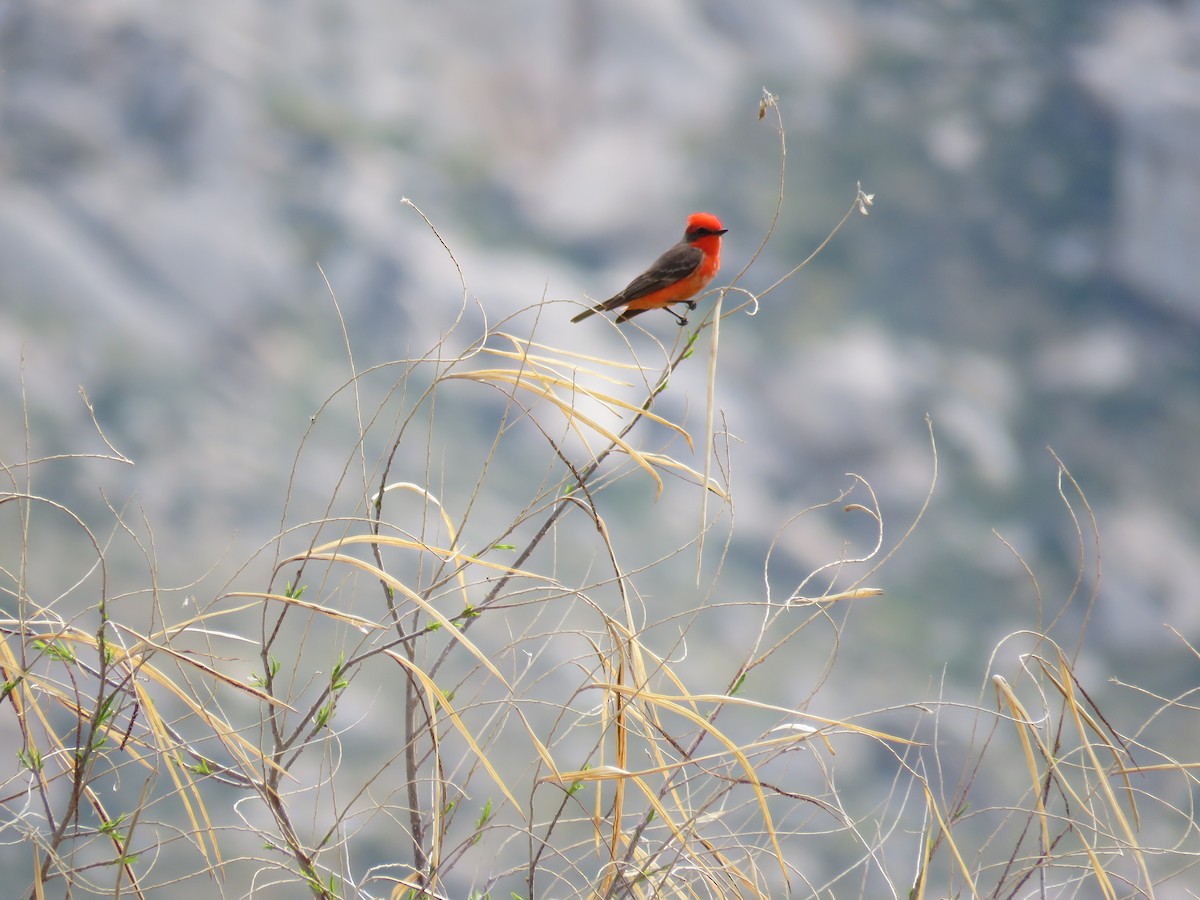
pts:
[170, 179]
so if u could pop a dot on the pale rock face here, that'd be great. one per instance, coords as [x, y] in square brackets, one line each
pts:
[1144, 70]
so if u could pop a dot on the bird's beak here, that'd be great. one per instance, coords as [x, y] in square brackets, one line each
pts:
[722, 231]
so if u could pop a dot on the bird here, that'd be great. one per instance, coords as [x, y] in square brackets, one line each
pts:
[675, 277]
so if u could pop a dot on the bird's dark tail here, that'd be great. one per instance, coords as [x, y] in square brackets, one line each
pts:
[629, 314]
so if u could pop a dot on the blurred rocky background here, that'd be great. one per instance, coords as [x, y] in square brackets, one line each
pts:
[172, 176]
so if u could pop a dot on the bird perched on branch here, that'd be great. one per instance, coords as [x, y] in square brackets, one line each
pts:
[675, 277]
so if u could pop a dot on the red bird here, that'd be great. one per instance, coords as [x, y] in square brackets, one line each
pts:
[676, 276]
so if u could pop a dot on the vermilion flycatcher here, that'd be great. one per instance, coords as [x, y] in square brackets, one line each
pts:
[676, 276]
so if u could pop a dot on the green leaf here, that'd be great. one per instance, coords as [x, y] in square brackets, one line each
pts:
[59, 650]
[31, 759]
[323, 715]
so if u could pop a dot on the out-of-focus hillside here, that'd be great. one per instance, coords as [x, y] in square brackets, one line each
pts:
[171, 179]
[178, 181]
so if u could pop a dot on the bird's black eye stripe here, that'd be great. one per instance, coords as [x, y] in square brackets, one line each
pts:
[705, 232]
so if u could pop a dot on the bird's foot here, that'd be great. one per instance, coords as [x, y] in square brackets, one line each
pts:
[682, 320]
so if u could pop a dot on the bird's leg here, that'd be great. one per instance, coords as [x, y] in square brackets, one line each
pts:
[682, 320]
